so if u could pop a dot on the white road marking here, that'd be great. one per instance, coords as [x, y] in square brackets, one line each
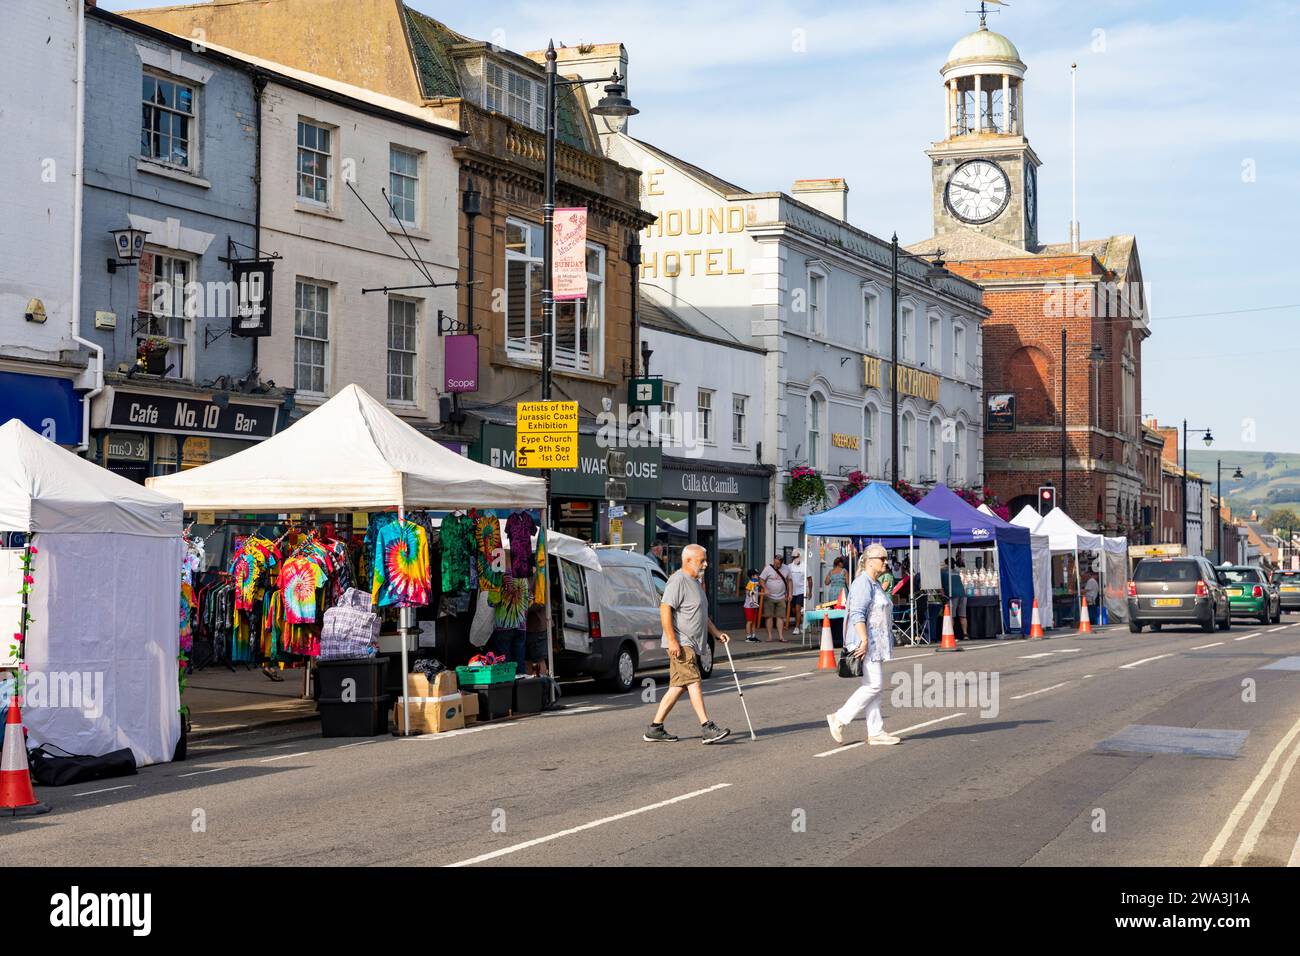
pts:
[1276, 629]
[1085, 676]
[773, 680]
[1246, 637]
[910, 656]
[1295, 854]
[1212, 854]
[195, 773]
[896, 733]
[1265, 810]
[586, 826]
[213, 730]
[1145, 660]
[1204, 646]
[457, 733]
[355, 743]
[1068, 650]
[301, 753]
[1043, 691]
[574, 710]
[91, 793]
[1031, 657]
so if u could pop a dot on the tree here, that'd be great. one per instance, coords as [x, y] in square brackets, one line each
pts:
[1283, 519]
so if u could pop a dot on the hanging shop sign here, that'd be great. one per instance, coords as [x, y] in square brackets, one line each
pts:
[645, 392]
[460, 362]
[586, 479]
[183, 415]
[251, 316]
[48, 406]
[1001, 414]
[569, 254]
[546, 435]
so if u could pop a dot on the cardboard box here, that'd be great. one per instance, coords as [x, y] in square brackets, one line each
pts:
[435, 707]
[469, 703]
[444, 685]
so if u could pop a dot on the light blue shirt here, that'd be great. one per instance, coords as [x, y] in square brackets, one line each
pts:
[869, 604]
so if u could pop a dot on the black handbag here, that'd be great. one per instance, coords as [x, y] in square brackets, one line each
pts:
[54, 770]
[850, 664]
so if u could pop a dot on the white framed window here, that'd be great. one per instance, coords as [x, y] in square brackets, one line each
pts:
[870, 320]
[959, 457]
[580, 323]
[704, 409]
[907, 442]
[403, 348]
[906, 332]
[869, 420]
[168, 124]
[739, 420]
[933, 360]
[315, 168]
[936, 450]
[524, 288]
[515, 95]
[311, 337]
[168, 306]
[404, 183]
[958, 350]
[816, 424]
[816, 302]
[668, 415]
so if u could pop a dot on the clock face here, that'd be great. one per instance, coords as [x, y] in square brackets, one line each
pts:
[1031, 197]
[978, 191]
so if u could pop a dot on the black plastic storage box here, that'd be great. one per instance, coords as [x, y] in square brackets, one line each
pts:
[494, 700]
[364, 712]
[530, 696]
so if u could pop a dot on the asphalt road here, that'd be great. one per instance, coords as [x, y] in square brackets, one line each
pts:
[1044, 781]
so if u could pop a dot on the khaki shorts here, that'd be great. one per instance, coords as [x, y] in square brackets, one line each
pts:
[684, 672]
[774, 609]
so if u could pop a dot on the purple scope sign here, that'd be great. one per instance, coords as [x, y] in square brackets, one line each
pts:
[460, 361]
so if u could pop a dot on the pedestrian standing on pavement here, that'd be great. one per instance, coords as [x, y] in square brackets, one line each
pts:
[870, 636]
[752, 590]
[684, 616]
[798, 579]
[776, 595]
[1091, 591]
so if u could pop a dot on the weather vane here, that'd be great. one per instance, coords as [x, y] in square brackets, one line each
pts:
[984, 11]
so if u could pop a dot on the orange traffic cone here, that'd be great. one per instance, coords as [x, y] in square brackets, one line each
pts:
[826, 659]
[16, 795]
[840, 603]
[1035, 624]
[949, 640]
[1085, 625]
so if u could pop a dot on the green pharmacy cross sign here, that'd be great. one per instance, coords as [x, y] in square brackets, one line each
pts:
[645, 392]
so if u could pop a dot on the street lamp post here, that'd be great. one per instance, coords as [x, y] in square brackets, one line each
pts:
[1096, 355]
[1208, 438]
[615, 105]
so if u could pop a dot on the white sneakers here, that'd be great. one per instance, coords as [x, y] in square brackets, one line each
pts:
[884, 740]
[837, 728]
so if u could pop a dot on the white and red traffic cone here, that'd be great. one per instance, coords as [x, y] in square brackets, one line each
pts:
[949, 640]
[16, 795]
[1035, 624]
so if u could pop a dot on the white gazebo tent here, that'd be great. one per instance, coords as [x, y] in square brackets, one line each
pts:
[105, 600]
[351, 454]
[1041, 556]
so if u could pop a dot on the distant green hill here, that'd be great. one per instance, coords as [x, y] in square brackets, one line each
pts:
[1271, 479]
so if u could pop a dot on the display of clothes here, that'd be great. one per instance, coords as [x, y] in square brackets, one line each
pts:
[487, 533]
[401, 575]
[520, 528]
[459, 544]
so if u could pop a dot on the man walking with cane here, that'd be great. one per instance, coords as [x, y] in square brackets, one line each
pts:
[684, 615]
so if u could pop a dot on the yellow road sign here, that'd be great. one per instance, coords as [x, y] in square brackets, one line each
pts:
[546, 435]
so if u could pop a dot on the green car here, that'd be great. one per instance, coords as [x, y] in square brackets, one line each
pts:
[1250, 594]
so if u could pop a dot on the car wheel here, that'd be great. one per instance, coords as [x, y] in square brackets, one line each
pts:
[706, 660]
[1227, 621]
[1263, 618]
[1210, 626]
[620, 679]
[1135, 627]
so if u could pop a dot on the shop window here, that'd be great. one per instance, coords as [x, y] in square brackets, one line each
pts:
[671, 534]
[733, 548]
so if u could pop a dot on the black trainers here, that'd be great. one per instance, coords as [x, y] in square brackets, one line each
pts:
[712, 733]
[656, 734]
[752, 639]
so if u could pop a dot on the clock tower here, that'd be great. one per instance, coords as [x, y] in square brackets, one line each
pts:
[985, 173]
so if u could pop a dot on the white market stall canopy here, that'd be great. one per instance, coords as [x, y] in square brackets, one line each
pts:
[1065, 535]
[45, 488]
[352, 453]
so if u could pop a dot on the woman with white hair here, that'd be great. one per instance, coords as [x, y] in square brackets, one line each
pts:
[869, 636]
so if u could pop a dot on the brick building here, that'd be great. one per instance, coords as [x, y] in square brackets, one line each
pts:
[1087, 293]
[1150, 514]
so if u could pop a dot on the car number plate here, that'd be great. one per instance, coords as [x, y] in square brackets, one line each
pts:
[1289, 588]
[1234, 592]
[1167, 602]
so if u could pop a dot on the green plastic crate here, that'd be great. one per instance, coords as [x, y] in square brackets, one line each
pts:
[478, 676]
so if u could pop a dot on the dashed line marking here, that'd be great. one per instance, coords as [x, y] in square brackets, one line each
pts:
[1034, 693]
[1145, 660]
[897, 733]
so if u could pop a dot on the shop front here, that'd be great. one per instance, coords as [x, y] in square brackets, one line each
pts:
[722, 506]
[47, 404]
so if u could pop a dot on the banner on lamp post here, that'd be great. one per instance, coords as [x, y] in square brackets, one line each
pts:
[460, 363]
[569, 253]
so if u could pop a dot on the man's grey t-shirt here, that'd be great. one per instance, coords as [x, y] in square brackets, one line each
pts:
[690, 610]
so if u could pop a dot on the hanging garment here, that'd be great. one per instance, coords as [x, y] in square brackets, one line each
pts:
[519, 532]
[401, 576]
[458, 543]
[188, 603]
[539, 582]
[510, 604]
[300, 576]
[487, 530]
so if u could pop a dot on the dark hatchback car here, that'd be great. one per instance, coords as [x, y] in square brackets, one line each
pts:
[1177, 591]
[1288, 586]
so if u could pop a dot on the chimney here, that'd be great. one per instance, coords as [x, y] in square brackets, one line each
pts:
[831, 196]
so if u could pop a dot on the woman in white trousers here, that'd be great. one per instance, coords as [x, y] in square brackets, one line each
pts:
[870, 634]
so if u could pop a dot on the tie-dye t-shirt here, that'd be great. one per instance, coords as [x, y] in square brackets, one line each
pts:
[510, 604]
[401, 577]
[299, 579]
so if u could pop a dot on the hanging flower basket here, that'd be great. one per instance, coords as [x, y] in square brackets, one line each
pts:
[151, 352]
[805, 487]
[857, 480]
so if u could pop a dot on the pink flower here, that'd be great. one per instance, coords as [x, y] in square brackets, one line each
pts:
[35, 551]
[28, 579]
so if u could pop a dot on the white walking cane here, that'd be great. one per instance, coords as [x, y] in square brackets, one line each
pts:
[727, 647]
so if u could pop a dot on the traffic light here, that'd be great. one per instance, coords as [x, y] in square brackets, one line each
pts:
[1046, 499]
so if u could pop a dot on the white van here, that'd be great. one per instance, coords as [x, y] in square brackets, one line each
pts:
[607, 621]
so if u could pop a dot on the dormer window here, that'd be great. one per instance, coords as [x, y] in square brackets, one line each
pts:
[512, 94]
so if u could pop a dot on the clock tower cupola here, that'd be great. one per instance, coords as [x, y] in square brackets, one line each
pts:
[985, 173]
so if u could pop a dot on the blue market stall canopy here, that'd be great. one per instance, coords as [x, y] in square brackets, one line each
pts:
[877, 511]
[969, 524]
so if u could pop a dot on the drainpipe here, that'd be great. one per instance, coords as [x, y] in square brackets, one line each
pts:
[80, 162]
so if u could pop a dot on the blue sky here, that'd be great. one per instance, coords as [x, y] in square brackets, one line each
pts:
[1188, 138]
